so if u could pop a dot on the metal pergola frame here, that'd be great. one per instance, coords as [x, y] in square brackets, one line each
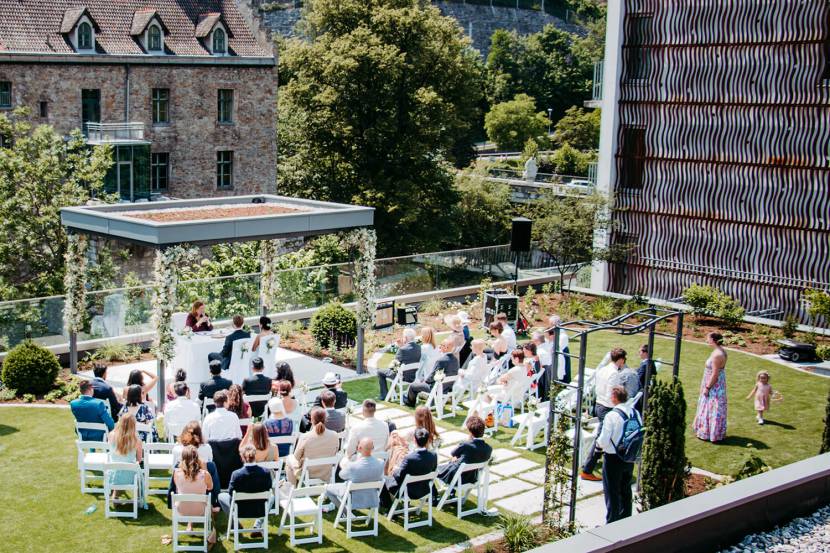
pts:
[623, 325]
[308, 218]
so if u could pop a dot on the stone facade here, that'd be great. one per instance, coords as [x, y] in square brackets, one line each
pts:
[193, 135]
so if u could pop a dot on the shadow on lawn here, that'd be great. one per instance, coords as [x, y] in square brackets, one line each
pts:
[785, 426]
[741, 441]
[6, 430]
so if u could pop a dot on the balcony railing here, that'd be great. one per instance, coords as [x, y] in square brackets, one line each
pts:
[115, 133]
[596, 88]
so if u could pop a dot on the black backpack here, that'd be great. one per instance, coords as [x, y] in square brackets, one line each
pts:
[631, 443]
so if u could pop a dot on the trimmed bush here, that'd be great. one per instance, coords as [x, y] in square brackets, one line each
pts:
[334, 324]
[520, 533]
[709, 301]
[823, 352]
[30, 369]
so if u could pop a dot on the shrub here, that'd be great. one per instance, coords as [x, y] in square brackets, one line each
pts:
[825, 438]
[823, 352]
[602, 309]
[789, 326]
[29, 398]
[7, 394]
[707, 300]
[572, 308]
[732, 339]
[114, 351]
[54, 395]
[519, 533]
[665, 466]
[432, 306]
[752, 465]
[728, 309]
[809, 338]
[334, 324]
[30, 368]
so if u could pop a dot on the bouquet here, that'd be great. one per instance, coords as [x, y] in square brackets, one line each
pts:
[393, 348]
[532, 403]
[395, 365]
[419, 341]
[186, 333]
[269, 344]
[439, 375]
[243, 350]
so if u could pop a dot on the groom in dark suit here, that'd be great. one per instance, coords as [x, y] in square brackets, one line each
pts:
[227, 349]
[409, 351]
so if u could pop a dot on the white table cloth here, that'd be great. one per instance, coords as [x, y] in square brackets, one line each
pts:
[192, 355]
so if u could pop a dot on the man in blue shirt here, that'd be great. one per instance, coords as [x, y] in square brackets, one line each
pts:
[88, 409]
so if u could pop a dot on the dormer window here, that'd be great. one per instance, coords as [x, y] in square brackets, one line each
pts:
[79, 27]
[85, 36]
[220, 45]
[154, 43]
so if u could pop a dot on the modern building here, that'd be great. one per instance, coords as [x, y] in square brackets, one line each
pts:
[715, 148]
[184, 90]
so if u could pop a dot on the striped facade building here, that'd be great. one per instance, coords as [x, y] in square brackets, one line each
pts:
[715, 148]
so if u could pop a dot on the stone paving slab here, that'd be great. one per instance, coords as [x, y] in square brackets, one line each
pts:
[535, 476]
[392, 413]
[506, 487]
[502, 454]
[514, 467]
[453, 437]
[525, 503]
[404, 422]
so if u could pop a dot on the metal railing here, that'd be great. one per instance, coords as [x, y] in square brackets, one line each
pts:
[113, 133]
[599, 68]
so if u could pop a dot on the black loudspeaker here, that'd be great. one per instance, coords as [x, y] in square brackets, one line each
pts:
[520, 235]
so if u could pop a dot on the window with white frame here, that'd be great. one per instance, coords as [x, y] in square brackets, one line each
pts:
[85, 36]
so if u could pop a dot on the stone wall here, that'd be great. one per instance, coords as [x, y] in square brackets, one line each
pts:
[479, 22]
[193, 136]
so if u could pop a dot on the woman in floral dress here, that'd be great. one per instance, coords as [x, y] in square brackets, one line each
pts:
[710, 420]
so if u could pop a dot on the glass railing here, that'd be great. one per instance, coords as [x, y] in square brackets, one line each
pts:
[127, 311]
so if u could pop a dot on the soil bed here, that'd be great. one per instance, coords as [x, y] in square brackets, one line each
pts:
[211, 212]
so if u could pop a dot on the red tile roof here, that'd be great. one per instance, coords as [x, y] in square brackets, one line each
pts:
[35, 26]
[142, 18]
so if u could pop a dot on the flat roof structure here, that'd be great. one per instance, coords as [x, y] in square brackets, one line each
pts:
[215, 220]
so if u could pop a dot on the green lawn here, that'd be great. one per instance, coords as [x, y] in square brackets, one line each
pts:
[794, 426]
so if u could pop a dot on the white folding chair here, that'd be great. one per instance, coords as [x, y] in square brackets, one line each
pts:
[92, 456]
[276, 474]
[530, 424]
[305, 480]
[398, 387]
[91, 426]
[269, 356]
[481, 408]
[178, 519]
[407, 508]
[462, 491]
[283, 440]
[300, 503]
[345, 512]
[234, 521]
[172, 430]
[177, 321]
[157, 456]
[133, 487]
[261, 398]
[208, 402]
[147, 429]
[437, 400]
[240, 365]
[246, 422]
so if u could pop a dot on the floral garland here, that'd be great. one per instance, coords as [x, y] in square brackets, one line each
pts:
[73, 282]
[166, 276]
[269, 288]
[365, 241]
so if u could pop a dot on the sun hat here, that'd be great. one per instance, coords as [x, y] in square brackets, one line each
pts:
[464, 316]
[275, 405]
[330, 379]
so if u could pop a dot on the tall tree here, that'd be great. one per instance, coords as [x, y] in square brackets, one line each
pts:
[484, 210]
[579, 128]
[41, 172]
[510, 124]
[377, 100]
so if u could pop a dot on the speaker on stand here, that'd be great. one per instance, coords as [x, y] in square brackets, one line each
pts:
[519, 242]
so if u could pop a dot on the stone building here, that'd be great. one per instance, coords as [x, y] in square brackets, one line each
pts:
[715, 149]
[185, 90]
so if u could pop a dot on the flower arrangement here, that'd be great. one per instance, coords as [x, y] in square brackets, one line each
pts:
[166, 277]
[270, 284]
[186, 333]
[532, 403]
[365, 242]
[439, 375]
[270, 344]
[243, 349]
[73, 282]
[395, 365]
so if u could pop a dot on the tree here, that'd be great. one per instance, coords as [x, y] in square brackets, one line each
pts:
[484, 211]
[377, 100]
[564, 228]
[578, 128]
[511, 124]
[553, 66]
[568, 161]
[665, 467]
[41, 172]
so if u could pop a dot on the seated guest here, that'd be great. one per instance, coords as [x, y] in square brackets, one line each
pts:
[181, 410]
[316, 443]
[369, 427]
[197, 320]
[401, 441]
[471, 378]
[335, 420]
[140, 411]
[364, 468]
[429, 348]
[190, 477]
[284, 372]
[530, 356]
[332, 383]
[293, 411]
[512, 385]
[257, 436]
[447, 363]
[251, 478]
[216, 382]
[101, 389]
[192, 436]
[543, 349]
[221, 424]
[476, 450]
[126, 448]
[418, 463]
[456, 333]
[238, 334]
[499, 343]
[237, 405]
[137, 378]
[88, 409]
[507, 331]
[170, 392]
[409, 351]
[265, 332]
[257, 385]
[277, 424]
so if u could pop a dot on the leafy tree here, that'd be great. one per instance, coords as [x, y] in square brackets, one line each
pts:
[568, 161]
[553, 66]
[825, 437]
[665, 466]
[378, 99]
[484, 211]
[564, 228]
[41, 172]
[510, 124]
[819, 303]
[578, 128]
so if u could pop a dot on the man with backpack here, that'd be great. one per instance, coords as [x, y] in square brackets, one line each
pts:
[621, 441]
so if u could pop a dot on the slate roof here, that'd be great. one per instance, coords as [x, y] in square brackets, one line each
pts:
[142, 18]
[34, 26]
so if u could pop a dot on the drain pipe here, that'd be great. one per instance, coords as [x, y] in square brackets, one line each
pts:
[126, 93]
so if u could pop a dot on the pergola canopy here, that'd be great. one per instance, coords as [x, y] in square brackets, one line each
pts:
[215, 220]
